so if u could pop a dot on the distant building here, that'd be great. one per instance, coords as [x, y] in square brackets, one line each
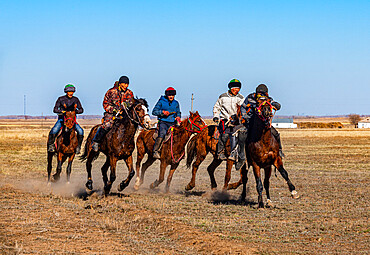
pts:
[283, 123]
[364, 123]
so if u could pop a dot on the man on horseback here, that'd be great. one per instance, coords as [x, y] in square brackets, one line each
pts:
[247, 110]
[224, 113]
[65, 103]
[168, 112]
[116, 98]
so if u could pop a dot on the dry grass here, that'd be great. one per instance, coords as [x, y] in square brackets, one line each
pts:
[330, 168]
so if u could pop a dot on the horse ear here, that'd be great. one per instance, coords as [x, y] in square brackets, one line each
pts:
[191, 114]
[197, 113]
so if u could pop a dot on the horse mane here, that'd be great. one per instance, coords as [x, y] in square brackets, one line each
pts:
[141, 101]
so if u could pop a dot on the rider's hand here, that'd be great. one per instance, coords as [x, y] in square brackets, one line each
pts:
[114, 111]
[178, 119]
[216, 119]
[63, 112]
[166, 113]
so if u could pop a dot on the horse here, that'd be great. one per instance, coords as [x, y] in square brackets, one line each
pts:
[198, 147]
[117, 144]
[172, 151]
[66, 144]
[262, 151]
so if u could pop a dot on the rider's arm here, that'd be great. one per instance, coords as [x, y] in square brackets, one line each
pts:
[58, 108]
[217, 108]
[157, 110]
[178, 113]
[79, 108]
[108, 105]
[275, 104]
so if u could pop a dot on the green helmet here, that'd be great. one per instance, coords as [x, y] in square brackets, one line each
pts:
[69, 88]
[234, 83]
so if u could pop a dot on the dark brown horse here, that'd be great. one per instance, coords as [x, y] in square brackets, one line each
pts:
[117, 144]
[198, 147]
[172, 150]
[263, 152]
[66, 144]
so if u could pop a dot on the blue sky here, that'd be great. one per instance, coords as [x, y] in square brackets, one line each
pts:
[313, 55]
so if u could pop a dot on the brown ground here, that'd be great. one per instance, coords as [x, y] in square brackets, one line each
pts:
[330, 168]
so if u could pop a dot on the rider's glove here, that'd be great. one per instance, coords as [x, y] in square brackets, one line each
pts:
[178, 119]
[216, 119]
[166, 113]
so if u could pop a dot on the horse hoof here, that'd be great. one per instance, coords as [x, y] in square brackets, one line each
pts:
[89, 186]
[295, 194]
[189, 187]
[152, 186]
[261, 206]
[122, 186]
[136, 187]
[269, 204]
[49, 184]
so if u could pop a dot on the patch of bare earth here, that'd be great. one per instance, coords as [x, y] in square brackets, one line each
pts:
[330, 169]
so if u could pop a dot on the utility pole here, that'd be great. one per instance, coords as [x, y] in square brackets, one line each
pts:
[192, 99]
[24, 106]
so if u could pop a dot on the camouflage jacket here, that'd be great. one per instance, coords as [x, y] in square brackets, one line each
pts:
[114, 98]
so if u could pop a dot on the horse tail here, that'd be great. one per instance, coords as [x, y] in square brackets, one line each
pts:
[191, 151]
[89, 139]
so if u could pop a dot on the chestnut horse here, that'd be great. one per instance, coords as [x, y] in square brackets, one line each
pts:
[172, 150]
[263, 152]
[198, 147]
[66, 144]
[117, 144]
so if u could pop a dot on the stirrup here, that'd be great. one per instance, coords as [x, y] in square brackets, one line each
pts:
[222, 156]
[51, 148]
[281, 154]
[156, 155]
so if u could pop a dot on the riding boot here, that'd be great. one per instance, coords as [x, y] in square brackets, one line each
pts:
[242, 138]
[157, 147]
[276, 134]
[221, 146]
[51, 142]
[98, 138]
[233, 148]
[80, 138]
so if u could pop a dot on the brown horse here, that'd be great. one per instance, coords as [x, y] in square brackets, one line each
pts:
[117, 144]
[263, 152]
[172, 150]
[198, 147]
[66, 144]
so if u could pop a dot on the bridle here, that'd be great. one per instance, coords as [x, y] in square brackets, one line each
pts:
[138, 121]
[193, 124]
[69, 118]
[260, 114]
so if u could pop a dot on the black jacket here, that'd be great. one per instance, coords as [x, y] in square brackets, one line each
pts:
[69, 103]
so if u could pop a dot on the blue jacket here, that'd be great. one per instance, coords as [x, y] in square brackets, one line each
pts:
[164, 104]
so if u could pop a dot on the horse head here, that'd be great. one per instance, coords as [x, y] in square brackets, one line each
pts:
[70, 119]
[194, 123]
[139, 112]
[264, 110]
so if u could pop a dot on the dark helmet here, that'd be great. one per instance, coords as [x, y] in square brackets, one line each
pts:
[262, 88]
[170, 91]
[123, 79]
[69, 88]
[234, 83]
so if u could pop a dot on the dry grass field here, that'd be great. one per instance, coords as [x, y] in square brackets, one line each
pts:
[329, 167]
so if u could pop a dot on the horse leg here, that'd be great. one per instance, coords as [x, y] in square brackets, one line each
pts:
[50, 161]
[60, 161]
[229, 166]
[145, 166]
[104, 170]
[131, 173]
[243, 174]
[243, 180]
[113, 164]
[284, 174]
[161, 175]
[257, 176]
[69, 167]
[169, 177]
[198, 161]
[266, 184]
[89, 161]
[211, 172]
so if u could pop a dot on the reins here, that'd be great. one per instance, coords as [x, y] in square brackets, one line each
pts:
[137, 116]
[260, 115]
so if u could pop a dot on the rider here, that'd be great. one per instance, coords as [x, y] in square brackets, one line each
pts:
[247, 110]
[63, 104]
[224, 112]
[168, 112]
[115, 99]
